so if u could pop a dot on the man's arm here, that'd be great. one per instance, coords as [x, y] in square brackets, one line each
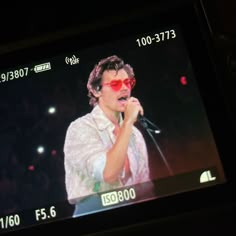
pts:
[117, 154]
[84, 152]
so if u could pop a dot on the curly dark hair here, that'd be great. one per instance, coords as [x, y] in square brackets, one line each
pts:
[110, 63]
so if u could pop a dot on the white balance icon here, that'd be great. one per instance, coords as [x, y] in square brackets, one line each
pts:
[206, 177]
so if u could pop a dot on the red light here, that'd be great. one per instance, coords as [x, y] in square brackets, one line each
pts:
[31, 168]
[183, 80]
[54, 152]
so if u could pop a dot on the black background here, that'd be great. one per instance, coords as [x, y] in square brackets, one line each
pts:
[21, 29]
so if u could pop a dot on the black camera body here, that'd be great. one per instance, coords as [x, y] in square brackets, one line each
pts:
[186, 125]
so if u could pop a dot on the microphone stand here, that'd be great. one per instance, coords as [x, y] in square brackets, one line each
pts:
[145, 123]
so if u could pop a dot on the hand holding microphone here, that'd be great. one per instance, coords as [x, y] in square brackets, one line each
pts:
[132, 110]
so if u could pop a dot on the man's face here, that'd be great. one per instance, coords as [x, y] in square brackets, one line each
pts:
[112, 98]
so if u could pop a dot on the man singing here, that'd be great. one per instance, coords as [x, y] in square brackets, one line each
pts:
[103, 149]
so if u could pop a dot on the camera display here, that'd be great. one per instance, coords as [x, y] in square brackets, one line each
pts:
[60, 155]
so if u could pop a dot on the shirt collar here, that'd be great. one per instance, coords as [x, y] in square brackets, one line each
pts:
[101, 119]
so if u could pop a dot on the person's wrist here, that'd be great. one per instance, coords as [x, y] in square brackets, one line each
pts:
[128, 122]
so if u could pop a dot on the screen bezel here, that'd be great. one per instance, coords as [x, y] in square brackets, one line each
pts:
[196, 34]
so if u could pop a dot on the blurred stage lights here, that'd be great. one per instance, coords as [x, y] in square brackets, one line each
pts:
[31, 168]
[183, 80]
[52, 110]
[40, 149]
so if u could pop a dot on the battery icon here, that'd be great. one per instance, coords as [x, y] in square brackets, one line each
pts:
[42, 67]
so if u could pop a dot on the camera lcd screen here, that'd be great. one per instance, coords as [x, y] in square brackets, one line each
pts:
[39, 101]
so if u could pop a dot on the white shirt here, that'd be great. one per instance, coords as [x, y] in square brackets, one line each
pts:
[88, 139]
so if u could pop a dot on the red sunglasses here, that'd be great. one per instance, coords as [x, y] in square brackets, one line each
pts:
[117, 84]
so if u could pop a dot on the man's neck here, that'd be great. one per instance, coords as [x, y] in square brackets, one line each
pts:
[114, 117]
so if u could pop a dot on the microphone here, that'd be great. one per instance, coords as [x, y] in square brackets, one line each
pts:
[141, 120]
[146, 123]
